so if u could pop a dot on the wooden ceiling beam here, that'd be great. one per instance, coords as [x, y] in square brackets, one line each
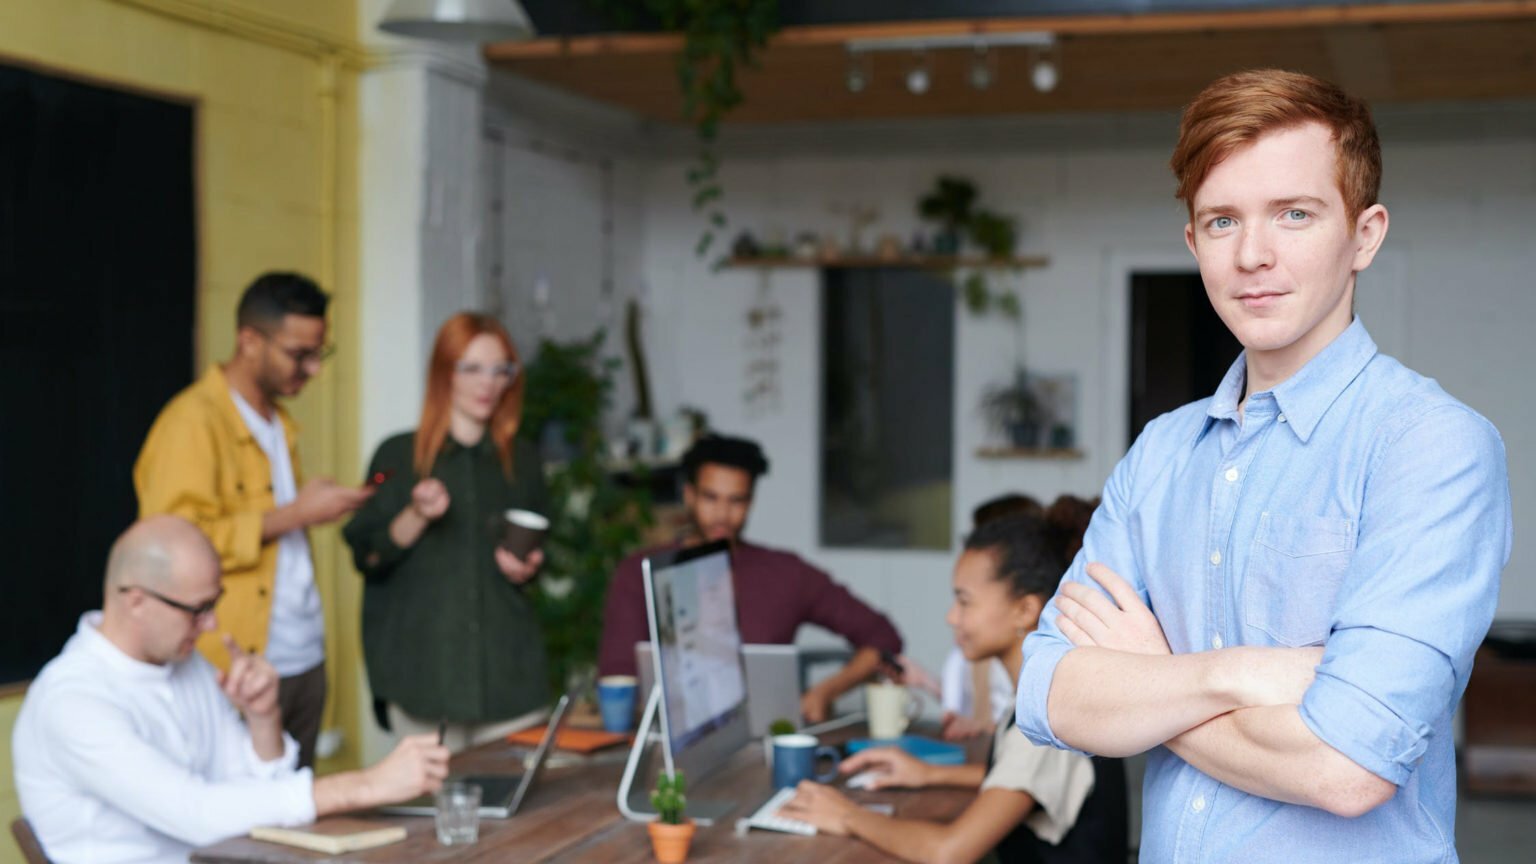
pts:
[1062, 25]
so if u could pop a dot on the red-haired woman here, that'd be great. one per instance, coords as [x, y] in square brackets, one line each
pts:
[449, 630]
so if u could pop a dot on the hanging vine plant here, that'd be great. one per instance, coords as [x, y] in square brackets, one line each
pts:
[720, 37]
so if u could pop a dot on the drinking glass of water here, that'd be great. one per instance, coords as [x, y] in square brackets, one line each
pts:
[458, 813]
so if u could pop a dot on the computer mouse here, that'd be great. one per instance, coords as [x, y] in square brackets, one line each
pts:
[863, 779]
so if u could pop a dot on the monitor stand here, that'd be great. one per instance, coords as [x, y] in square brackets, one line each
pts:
[635, 804]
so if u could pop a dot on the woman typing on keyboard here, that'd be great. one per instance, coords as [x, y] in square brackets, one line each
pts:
[1033, 803]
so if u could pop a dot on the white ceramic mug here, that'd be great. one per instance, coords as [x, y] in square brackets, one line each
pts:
[890, 708]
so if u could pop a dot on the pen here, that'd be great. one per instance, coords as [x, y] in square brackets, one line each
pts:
[442, 732]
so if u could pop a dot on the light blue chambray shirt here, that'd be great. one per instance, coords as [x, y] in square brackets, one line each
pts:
[1356, 506]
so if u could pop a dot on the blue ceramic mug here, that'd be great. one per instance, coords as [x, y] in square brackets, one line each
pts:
[616, 701]
[794, 759]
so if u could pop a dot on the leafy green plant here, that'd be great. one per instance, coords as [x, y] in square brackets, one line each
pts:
[781, 726]
[596, 521]
[668, 798]
[1014, 409]
[952, 204]
[720, 37]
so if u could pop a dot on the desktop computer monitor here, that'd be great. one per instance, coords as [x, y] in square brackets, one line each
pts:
[692, 610]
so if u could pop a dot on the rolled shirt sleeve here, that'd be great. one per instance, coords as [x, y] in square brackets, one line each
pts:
[1107, 540]
[1421, 589]
[833, 606]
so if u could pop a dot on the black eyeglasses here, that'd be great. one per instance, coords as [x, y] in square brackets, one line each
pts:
[201, 610]
[304, 356]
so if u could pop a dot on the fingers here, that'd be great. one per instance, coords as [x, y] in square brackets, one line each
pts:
[1092, 599]
[1124, 595]
[1075, 634]
[1079, 615]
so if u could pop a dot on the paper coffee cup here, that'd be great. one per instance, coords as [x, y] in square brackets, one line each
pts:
[522, 532]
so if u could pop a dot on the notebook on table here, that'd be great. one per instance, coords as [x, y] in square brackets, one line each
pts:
[333, 836]
[500, 794]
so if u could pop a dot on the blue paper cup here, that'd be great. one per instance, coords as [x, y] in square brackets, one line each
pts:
[616, 701]
[794, 759]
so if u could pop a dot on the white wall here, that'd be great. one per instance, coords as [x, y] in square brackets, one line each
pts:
[1451, 295]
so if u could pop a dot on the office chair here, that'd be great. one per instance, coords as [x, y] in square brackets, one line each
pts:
[31, 850]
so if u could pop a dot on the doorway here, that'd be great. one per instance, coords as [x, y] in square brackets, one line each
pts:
[1180, 350]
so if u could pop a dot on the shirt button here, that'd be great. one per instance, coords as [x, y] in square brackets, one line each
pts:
[1216, 642]
[1282, 418]
[1231, 475]
[1198, 804]
[1216, 557]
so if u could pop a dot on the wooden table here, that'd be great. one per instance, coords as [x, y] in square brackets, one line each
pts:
[570, 815]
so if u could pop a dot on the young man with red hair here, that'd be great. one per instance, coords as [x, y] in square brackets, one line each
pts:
[1282, 591]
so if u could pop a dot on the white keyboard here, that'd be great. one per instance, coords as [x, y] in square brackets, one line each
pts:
[767, 816]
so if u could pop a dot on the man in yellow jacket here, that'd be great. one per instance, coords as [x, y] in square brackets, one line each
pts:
[223, 455]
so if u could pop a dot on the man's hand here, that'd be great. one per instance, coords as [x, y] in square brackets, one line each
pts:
[517, 570]
[1119, 622]
[822, 806]
[430, 499]
[816, 704]
[895, 767]
[417, 766]
[322, 500]
[250, 684]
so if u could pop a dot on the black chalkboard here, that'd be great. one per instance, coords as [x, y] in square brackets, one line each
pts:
[98, 269]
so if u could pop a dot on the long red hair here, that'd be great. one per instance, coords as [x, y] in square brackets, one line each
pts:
[453, 339]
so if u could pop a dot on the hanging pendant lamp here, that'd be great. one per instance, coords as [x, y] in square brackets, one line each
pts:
[458, 20]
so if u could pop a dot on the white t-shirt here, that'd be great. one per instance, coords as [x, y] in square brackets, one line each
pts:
[955, 684]
[296, 633]
[118, 760]
[1058, 780]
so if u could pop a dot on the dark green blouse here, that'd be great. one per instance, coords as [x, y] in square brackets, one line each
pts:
[445, 634]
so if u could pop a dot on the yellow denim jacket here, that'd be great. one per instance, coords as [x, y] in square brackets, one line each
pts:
[201, 463]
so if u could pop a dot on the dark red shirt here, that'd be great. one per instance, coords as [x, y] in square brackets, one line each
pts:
[776, 592]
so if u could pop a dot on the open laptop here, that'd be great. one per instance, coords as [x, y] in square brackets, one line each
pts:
[500, 794]
[772, 676]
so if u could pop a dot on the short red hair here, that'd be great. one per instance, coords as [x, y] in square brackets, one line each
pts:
[1238, 109]
[453, 339]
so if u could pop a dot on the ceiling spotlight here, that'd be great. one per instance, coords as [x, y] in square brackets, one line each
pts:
[858, 71]
[983, 69]
[918, 79]
[1045, 74]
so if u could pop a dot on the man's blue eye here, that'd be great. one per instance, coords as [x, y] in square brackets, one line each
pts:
[1222, 222]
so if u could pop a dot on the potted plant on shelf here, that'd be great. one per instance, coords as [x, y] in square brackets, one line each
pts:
[1015, 410]
[671, 832]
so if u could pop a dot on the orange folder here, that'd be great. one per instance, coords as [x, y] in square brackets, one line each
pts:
[575, 740]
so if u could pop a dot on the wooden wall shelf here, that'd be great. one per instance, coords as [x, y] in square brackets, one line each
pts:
[1029, 453]
[918, 262]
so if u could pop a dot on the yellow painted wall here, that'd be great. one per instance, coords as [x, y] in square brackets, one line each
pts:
[275, 85]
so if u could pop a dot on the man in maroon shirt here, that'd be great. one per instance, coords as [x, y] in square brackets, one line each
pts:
[776, 591]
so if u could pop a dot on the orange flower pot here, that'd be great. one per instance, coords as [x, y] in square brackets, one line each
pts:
[670, 842]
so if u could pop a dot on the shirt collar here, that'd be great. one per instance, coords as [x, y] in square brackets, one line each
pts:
[91, 640]
[1305, 397]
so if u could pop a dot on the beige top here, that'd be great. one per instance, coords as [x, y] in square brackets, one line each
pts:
[1059, 781]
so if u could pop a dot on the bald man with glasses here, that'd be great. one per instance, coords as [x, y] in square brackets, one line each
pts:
[223, 454]
[131, 747]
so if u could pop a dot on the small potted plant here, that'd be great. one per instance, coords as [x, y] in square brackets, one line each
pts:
[671, 832]
[1015, 410]
[781, 726]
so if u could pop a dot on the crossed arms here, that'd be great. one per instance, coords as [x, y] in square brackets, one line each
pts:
[1232, 713]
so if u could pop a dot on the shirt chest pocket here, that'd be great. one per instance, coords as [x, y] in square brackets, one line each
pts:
[1294, 574]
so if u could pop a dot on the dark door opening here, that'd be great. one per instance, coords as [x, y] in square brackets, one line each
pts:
[1179, 348]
